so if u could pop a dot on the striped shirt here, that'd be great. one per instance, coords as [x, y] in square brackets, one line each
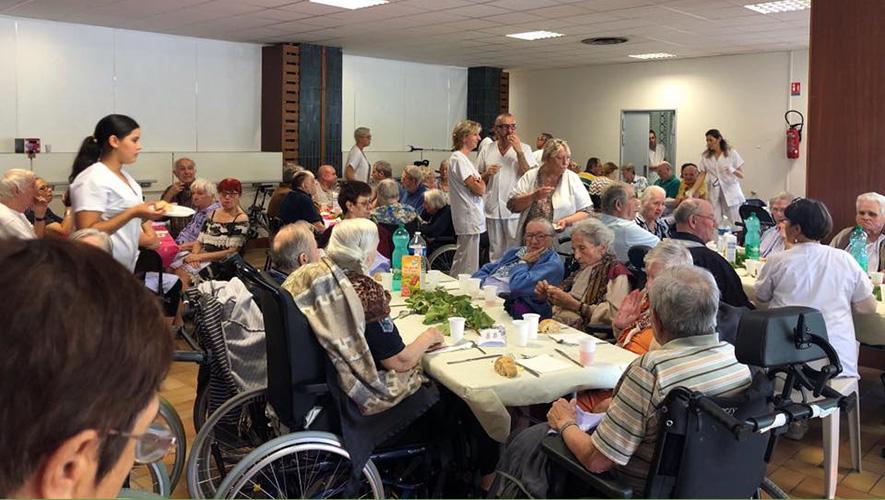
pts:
[628, 432]
[660, 228]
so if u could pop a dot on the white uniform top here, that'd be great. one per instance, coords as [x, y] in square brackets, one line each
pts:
[569, 196]
[537, 154]
[825, 278]
[501, 184]
[467, 208]
[720, 176]
[14, 224]
[655, 157]
[97, 189]
[361, 168]
[483, 143]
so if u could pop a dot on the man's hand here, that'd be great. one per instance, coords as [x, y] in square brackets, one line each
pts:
[514, 141]
[176, 188]
[561, 413]
[492, 170]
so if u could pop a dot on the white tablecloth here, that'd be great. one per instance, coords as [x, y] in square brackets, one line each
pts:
[489, 394]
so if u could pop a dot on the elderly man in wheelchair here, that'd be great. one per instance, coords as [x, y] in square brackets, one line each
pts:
[697, 418]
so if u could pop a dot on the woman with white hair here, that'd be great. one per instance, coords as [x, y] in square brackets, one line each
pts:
[18, 193]
[773, 239]
[650, 210]
[94, 237]
[203, 198]
[870, 217]
[439, 217]
[389, 209]
[593, 293]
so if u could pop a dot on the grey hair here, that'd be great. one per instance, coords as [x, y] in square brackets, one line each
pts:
[875, 198]
[646, 195]
[15, 181]
[102, 238]
[383, 167]
[435, 199]
[686, 209]
[414, 172]
[205, 186]
[594, 231]
[685, 299]
[548, 226]
[783, 195]
[388, 192]
[353, 239]
[628, 168]
[669, 254]
[289, 243]
[301, 177]
[616, 192]
[183, 159]
[361, 132]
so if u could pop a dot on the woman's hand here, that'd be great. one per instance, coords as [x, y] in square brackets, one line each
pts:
[542, 193]
[532, 257]
[432, 338]
[561, 298]
[148, 211]
[562, 412]
[193, 258]
[629, 312]
[541, 290]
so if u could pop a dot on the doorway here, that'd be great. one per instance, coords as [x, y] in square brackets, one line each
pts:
[635, 127]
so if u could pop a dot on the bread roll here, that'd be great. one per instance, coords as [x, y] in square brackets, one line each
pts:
[549, 326]
[506, 367]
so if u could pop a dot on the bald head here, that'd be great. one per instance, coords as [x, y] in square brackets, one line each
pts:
[327, 176]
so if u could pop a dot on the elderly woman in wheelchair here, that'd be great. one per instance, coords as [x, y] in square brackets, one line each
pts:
[684, 302]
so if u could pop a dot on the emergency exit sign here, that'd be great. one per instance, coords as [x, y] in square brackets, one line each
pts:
[795, 89]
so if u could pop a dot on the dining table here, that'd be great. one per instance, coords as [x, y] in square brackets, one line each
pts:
[467, 368]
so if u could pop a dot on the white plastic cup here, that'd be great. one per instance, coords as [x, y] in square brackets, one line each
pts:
[752, 266]
[533, 320]
[456, 328]
[588, 351]
[491, 294]
[876, 277]
[520, 332]
[433, 278]
[473, 286]
[387, 281]
[462, 282]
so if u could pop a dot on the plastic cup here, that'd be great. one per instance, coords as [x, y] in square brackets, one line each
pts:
[752, 266]
[588, 351]
[433, 278]
[387, 281]
[876, 277]
[533, 320]
[456, 328]
[473, 286]
[462, 282]
[491, 294]
[520, 332]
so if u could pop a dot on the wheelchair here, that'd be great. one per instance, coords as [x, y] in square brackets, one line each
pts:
[160, 478]
[290, 439]
[710, 447]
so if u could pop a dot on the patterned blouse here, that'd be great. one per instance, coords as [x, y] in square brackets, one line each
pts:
[217, 236]
[395, 213]
[192, 230]
[661, 229]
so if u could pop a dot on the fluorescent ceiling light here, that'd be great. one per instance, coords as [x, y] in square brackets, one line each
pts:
[535, 35]
[780, 6]
[351, 4]
[655, 55]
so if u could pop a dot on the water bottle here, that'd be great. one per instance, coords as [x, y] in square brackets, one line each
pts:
[400, 248]
[419, 247]
[724, 228]
[857, 246]
[731, 242]
[752, 239]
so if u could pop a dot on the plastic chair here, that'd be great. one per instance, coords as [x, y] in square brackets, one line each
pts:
[846, 386]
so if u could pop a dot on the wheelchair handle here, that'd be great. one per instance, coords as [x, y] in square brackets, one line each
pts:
[189, 357]
[735, 426]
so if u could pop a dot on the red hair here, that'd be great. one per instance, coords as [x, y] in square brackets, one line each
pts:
[230, 184]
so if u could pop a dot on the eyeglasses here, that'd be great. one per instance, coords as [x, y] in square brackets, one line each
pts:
[229, 194]
[705, 216]
[153, 444]
[537, 236]
[511, 126]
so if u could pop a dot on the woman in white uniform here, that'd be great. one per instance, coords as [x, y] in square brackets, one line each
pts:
[104, 196]
[466, 190]
[722, 170]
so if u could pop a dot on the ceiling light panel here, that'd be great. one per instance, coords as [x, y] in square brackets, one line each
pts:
[350, 4]
[653, 55]
[535, 35]
[780, 6]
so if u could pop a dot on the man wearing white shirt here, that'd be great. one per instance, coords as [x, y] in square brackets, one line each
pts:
[656, 153]
[619, 214]
[501, 164]
[539, 145]
[357, 167]
[18, 192]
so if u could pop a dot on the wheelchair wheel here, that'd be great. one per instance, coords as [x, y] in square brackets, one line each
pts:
[146, 481]
[231, 432]
[175, 458]
[201, 408]
[442, 258]
[302, 465]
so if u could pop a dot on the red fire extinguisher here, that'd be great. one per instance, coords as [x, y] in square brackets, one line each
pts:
[794, 134]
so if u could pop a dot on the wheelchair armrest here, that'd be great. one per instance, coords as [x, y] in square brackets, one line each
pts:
[189, 356]
[605, 484]
[312, 388]
[600, 328]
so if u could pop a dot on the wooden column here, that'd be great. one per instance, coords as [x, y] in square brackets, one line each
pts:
[488, 95]
[846, 104]
[280, 83]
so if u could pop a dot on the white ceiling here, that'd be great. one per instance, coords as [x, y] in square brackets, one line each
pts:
[455, 32]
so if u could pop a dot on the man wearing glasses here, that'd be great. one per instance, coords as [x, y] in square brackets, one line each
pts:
[695, 226]
[501, 164]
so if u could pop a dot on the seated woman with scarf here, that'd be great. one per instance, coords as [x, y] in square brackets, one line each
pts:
[593, 293]
[518, 271]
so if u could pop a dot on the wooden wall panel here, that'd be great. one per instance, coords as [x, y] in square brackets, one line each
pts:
[846, 102]
[484, 96]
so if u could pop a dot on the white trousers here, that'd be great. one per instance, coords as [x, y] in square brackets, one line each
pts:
[503, 235]
[466, 256]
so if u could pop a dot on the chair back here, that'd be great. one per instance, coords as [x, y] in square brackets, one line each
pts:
[765, 218]
[636, 266]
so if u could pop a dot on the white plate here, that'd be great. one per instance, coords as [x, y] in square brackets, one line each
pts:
[178, 211]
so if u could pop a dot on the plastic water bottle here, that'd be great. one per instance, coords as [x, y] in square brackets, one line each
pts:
[731, 242]
[857, 246]
[419, 247]
[753, 238]
[724, 228]
[400, 248]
